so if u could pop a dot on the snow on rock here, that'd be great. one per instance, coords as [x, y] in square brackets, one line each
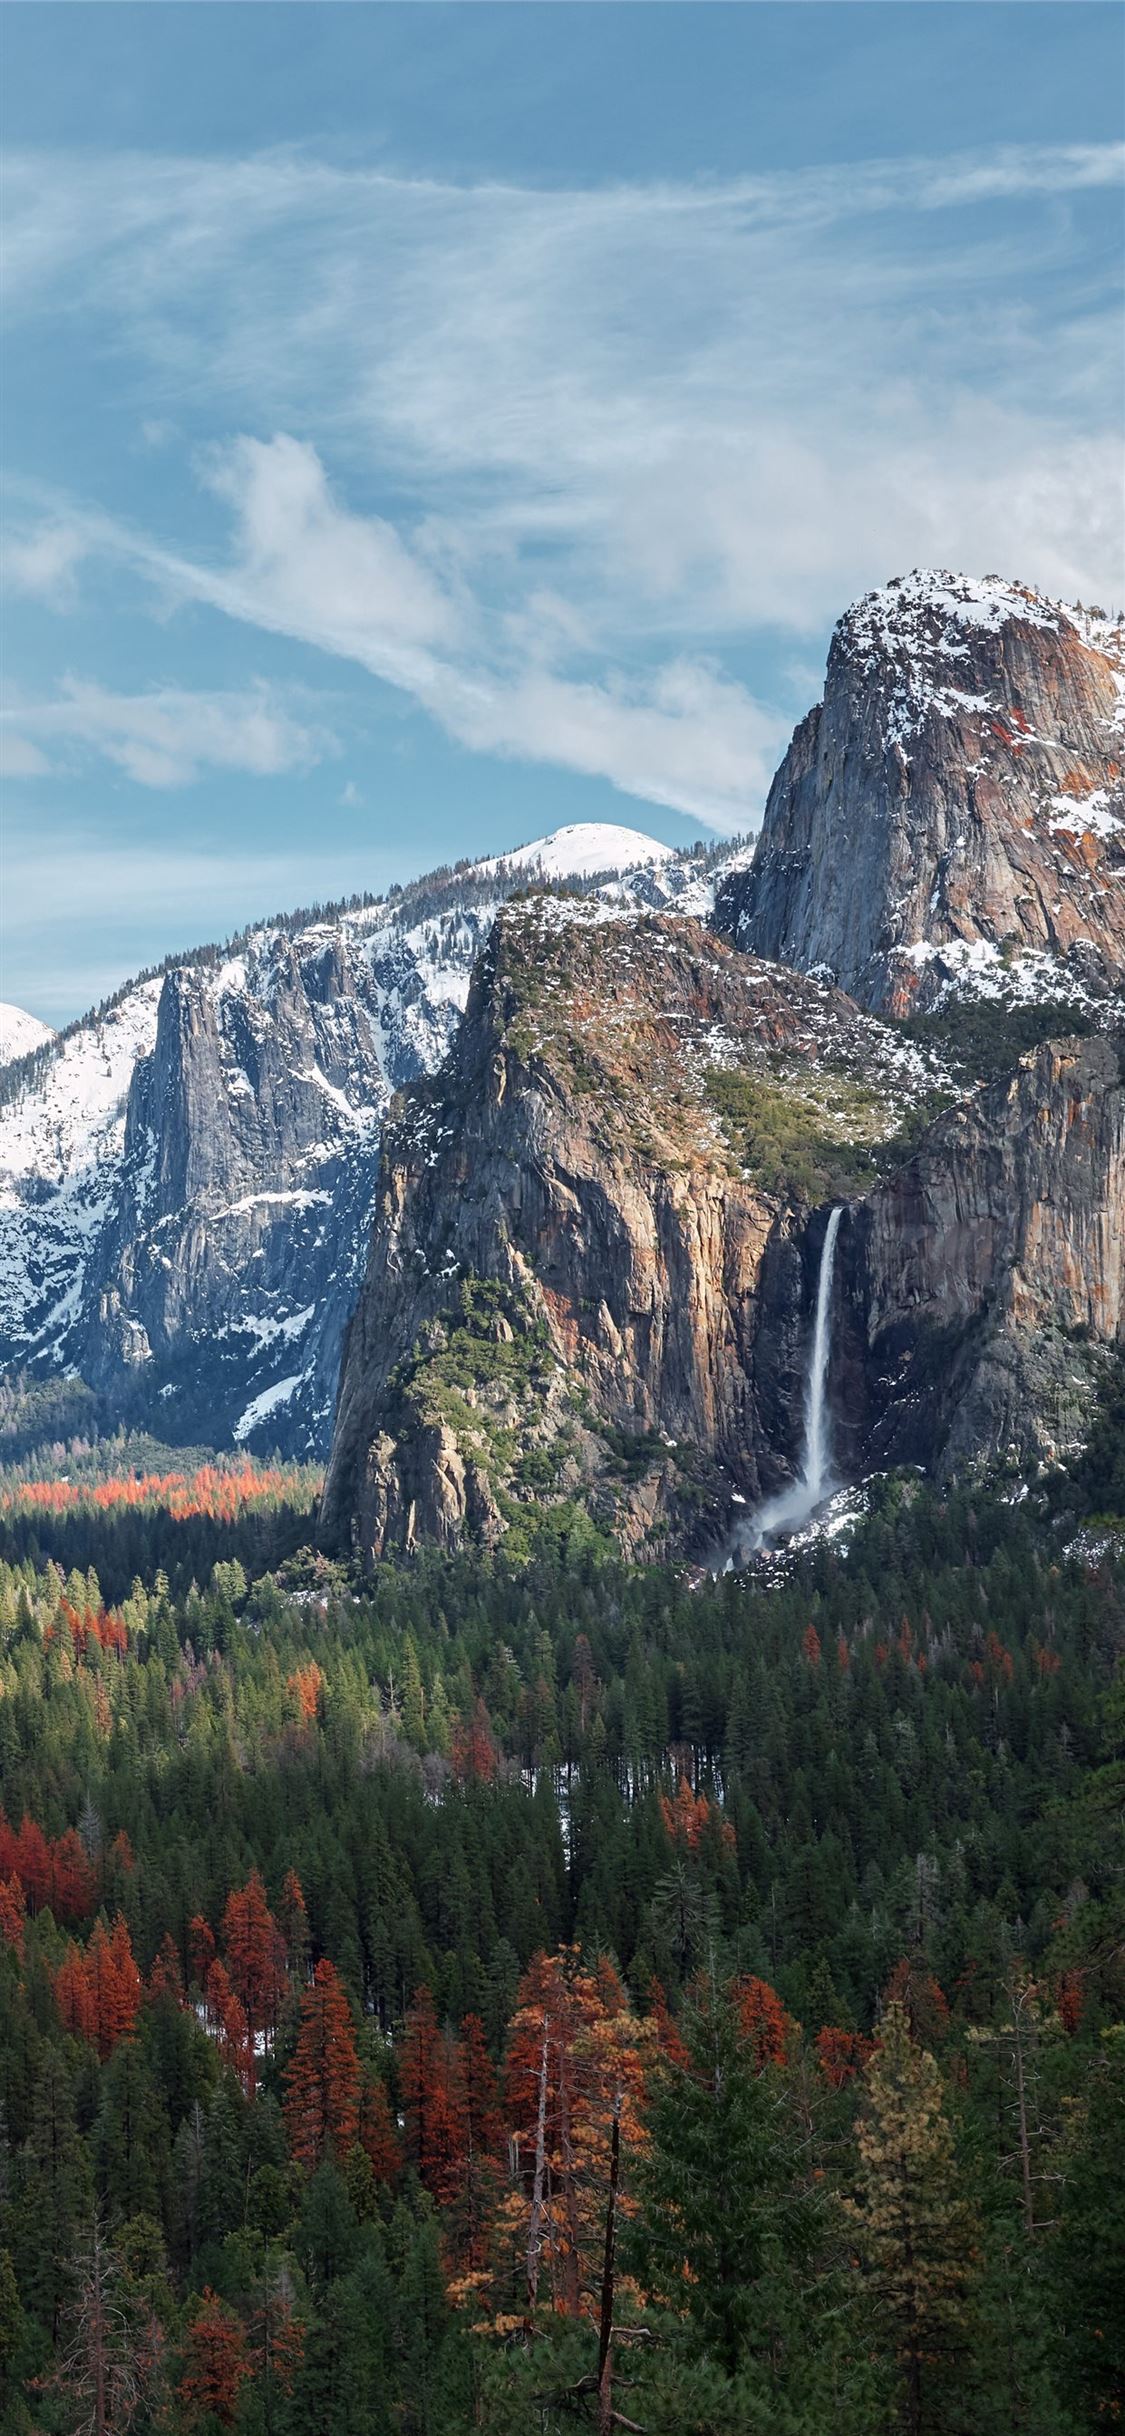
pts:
[264, 1405]
[1085, 815]
[62, 1137]
[958, 789]
[20, 1033]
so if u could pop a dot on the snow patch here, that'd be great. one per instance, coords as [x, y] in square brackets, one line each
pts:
[1085, 815]
[266, 1403]
[20, 1033]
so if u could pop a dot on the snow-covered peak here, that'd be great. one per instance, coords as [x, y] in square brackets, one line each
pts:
[20, 1033]
[581, 851]
[923, 641]
[935, 612]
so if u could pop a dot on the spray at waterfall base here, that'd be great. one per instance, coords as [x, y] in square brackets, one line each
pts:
[787, 1514]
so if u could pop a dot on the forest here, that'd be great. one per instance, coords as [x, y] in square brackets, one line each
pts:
[526, 1996]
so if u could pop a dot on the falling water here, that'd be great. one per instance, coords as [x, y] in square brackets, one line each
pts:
[792, 1507]
[816, 1471]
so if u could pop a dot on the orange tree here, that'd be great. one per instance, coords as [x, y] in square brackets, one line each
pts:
[322, 2079]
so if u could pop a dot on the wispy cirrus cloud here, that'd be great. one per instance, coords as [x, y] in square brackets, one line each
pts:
[546, 460]
[682, 734]
[164, 738]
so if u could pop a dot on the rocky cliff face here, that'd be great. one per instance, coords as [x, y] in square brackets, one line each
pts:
[589, 1277]
[598, 1235]
[982, 1283]
[186, 1179]
[952, 815]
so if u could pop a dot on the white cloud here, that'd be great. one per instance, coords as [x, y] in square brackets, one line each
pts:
[605, 431]
[167, 738]
[19, 758]
[309, 567]
[43, 563]
[686, 737]
[680, 734]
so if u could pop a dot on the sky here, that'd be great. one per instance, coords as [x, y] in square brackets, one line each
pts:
[424, 426]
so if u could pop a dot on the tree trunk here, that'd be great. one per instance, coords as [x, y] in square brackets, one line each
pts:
[535, 2219]
[605, 2329]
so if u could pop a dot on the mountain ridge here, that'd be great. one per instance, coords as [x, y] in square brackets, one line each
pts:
[185, 1175]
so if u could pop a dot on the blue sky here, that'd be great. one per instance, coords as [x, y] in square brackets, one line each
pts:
[424, 426]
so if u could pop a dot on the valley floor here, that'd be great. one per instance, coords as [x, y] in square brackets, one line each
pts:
[519, 1997]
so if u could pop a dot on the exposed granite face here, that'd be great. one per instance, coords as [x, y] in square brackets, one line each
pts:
[980, 1283]
[597, 1230]
[952, 815]
[577, 1293]
[251, 1142]
[568, 1271]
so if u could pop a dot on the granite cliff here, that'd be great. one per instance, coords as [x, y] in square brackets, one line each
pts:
[951, 817]
[598, 1231]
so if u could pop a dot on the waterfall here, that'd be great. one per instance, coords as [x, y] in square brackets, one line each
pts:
[816, 1470]
[815, 1481]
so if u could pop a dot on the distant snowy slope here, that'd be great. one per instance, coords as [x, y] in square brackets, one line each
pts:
[186, 1177]
[583, 851]
[20, 1033]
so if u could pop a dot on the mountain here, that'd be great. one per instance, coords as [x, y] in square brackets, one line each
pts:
[186, 1175]
[20, 1033]
[598, 1237]
[585, 850]
[614, 1172]
[951, 818]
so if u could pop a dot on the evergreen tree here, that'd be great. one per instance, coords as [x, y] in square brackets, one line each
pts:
[1088, 2246]
[344, 2386]
[735, 2242]
[914, 2229]
[17, 2350]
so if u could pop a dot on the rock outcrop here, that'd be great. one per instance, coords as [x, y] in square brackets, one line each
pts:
[598, 1211]
[952, 815]
[587, 1277]
[982, 1283]
[598, 1234]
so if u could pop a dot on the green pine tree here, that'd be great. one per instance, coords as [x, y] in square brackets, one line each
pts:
[915, 2233]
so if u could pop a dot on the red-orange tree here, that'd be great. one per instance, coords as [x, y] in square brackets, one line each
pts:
[433, 2100]
[216, 2365]
[255, 1954]
[322, 2078]
[770, 2032]
[574, 2084]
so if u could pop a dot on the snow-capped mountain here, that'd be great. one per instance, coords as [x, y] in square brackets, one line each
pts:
[950, 820]
[20, 1033]
[585, 850]
[186, 1175]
